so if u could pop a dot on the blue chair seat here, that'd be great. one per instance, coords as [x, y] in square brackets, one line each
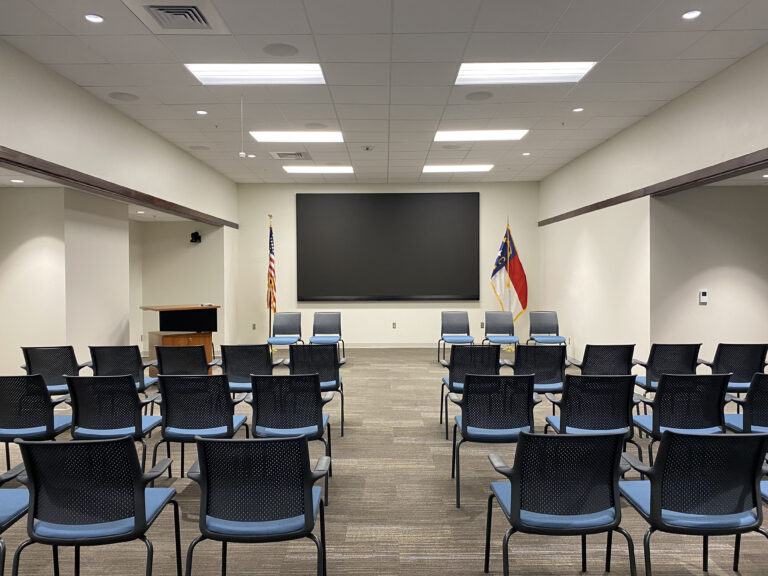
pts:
[154, 501]
[552, 521]
[735, 422]
[235, 387]
[266, 432]
[638, 492]
[266, 528]
[645, 423]
[764, 489]
[58, 389]
[738, 387]
[554, 421]
[283, 340]
[148, 381]
[640, 381]
[331, 339]
[147, 423]
[453, 386]
[458, 338]
[172, 433]
[329, 385]
[554, 388]
[60, 423]
[548, 339]
[480, 434]
[502, 339]
[12, 503]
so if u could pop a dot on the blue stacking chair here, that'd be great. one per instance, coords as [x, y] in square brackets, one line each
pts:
[740, 360]
[52, 363]
[494, 410]
[544, 328]
[690, 403]
[256, 491]
[239, 362]
[26, 411]
[91, 493]
[754, 416]
[605, 360]
[183, 361]
[561, 485]
[326, 329]
[13, 506]
[321, 359]
[703, 485]
[500, 328]
[120, 360]
[286, 329]
[454, 329]
[667, 359]
[197, 406]
[110, 407]
[546, 363]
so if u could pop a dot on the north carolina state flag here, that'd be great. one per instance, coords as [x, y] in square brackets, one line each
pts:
[508, 278]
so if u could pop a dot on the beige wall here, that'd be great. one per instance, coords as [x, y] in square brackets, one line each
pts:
[370, 323]
[135, 292]
[711, 238]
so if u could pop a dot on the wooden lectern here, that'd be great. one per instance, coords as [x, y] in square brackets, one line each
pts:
[183, 325]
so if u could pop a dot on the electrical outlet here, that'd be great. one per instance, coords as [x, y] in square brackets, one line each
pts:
[394, 325]
[253, 326]
[482, 325]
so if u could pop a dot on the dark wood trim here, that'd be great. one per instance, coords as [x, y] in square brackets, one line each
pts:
[715, 173]
[35, 166]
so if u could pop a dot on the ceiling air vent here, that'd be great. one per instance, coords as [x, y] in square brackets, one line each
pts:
[290, 155]
[178, 16]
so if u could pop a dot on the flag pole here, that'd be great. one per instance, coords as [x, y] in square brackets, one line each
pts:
[269, 333]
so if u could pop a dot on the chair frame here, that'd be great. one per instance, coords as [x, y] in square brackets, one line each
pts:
[316, 333]
[496, 320]
[292, 316]
[448, 315]
[4, 478]
[531, 334]
[338, 363]
[159, 350]
[745, 404]
[75, 364]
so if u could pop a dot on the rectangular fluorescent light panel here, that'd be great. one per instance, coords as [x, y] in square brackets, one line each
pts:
[457, 168]
[478, 135]
[233, 74]
[522, 72]
[319, 169]
[311, 136]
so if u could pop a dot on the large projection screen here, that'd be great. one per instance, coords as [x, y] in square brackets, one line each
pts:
[406, 246]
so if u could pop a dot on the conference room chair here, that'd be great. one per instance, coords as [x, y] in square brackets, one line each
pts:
[454, 329]
[667, 359]
[110, 407]
[466, 359]
[196, 406]
[494, 410]
[500, 328]
[561, 485]
[52, 363]
[182, 360]
[606, 360]
[286, 329]
[544, 328]
[326, 329]
[546, 363]
[287, 406]
[321, 359]
[742, 361]
[258, 491]
[120, 360]
[754, 415]
[701, 485]
[27, 411]
[691, 403]
[91, 493]
[13, 506]
[238, 362]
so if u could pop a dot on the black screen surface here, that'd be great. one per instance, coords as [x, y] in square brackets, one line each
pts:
[196, 320]
[409, 246]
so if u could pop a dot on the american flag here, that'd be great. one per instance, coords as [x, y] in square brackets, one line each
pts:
[271, 289]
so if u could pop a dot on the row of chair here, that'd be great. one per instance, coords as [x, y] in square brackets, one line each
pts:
[326, 329]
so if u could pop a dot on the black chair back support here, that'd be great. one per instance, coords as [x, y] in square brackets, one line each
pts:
[756, 407]
[117, 361]
[607, 360]
[286, 324]
[497, 402]
[291, 401]
[239, 362]
[546, 363]
[454, 322]
[105, 402]
[196, 402]
[499, 323]
[671, 359]
[741, 360]
[51, 362]
[597, 402]
[25, 403]
[326, 323]
[544, 323]
[690, 401]
[321, 359]
[472, 359]
[181, 360]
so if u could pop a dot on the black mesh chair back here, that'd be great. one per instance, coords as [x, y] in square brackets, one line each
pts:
[708, 474]
[566, 474]
[326, 323]
[105, 402]
[497, 402]
[472, 359]
[181, 360]
[671, 359]
[756, 408]
[597, 403]
[117, 361]
[499, 323]
[51, 362]
[689, 401]
[740, 360]
[239, 362]
[454, 322]
[544, 323]
[255, 481]
[196, 402]
[25, 403]
[286, 324]
[84, 482]
[292, 401]
[546, 363]
[607, 360]
[321, 359]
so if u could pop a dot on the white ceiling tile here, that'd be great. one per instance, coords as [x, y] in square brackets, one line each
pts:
[415, 112]
[658, 71]
[588, 47]
[753, 16]
[430, 16]
[146, 94]
[605, 15]
[423, 74]
[192, 48]
[512, 93]
[362, 111]
[364, 125]
[360, 94]
[570, 122]
[413, 125]
[726, 44]
[185, 95]
[161, 74]
[409, 147]
[365, 137]
[56, 49]
[252, 47]
[611, 122]
[668, 15]
[412, 136]
[654, 45]
[264, 16]
[503, 47]
[353, 47]
[428, 47]
[356, 74]
[98, 74]
[598, 91]
[298, 94]
[70, 14]
[139, 49]
[349, 16]
[469, 112]
[307, 111]
[434, 95]
[506, 16]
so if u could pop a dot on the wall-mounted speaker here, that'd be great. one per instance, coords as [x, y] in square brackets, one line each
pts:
[195, 238]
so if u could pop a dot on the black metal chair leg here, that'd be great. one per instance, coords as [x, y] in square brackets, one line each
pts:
[442, 388]
[77, 560]
[650, 451]
[631, 549]
[7, 456]
[177, 535]
[2, 557]
[341, 393]
[705, 554]
[55, 561]
[458, 473]
[608, 547]
[181, 472]
[247, 431]
[320, 563]
[17, 556]
[637, 446]
[736, 550]
[168, 455]
[150, 553]
[190, 551]
[143, 455]
[330, 451]
[488, 533]
[583, 552]
[453, 454]
[505, 550]
[322, 538]
[647, 551]
[446, 417]
[223, 559]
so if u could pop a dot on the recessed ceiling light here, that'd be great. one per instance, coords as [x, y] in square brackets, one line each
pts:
[280, 49]
[479, 95]
[432, 168]
[319, 169]
[765, 175]
[692, 15]
[522, 72]
[478, 135]
[526, 153]
[578, 109]
[297, 136]
[94, 18]
[201, 112]
[228, 74]
[17, 181]
[139, 211]
[251, 155]
[123, 96]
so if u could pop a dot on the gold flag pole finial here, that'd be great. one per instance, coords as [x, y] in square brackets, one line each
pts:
[270, 218]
